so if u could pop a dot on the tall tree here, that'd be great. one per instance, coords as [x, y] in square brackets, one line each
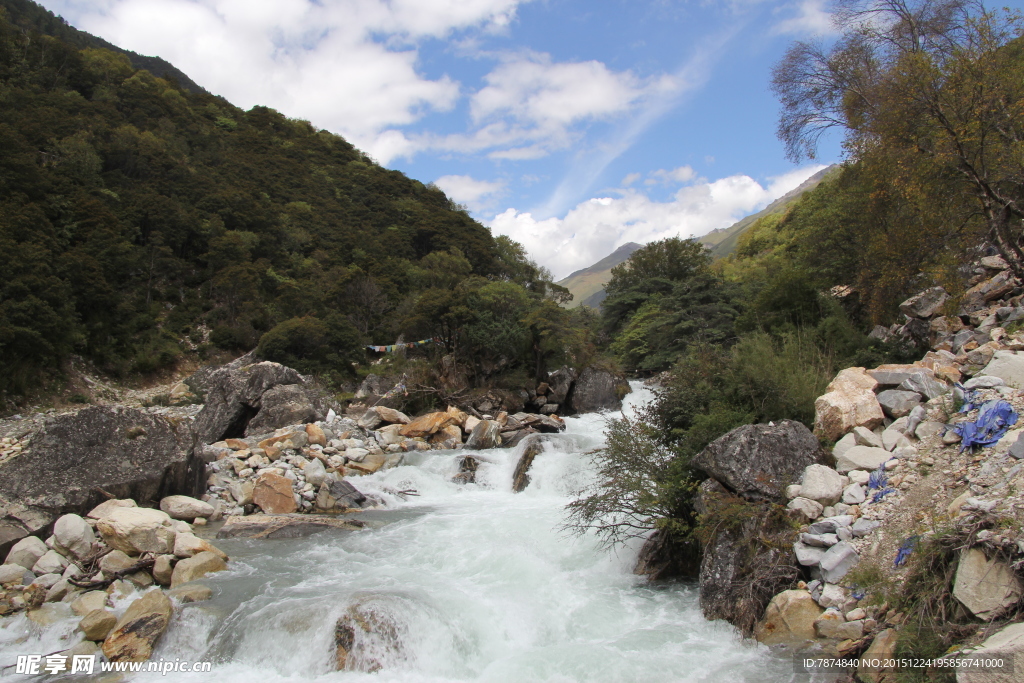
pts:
[934, 89]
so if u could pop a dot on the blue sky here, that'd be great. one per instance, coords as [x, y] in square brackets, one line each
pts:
[573, 126]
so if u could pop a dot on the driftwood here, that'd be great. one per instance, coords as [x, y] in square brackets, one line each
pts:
[114, 576]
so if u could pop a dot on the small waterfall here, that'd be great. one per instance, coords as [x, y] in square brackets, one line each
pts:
[460, 583]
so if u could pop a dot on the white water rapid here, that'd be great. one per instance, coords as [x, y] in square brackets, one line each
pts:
[481, 584]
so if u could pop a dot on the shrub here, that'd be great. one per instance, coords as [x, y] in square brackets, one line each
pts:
[312, 345]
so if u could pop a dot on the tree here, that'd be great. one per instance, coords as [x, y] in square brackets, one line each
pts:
[934, 90]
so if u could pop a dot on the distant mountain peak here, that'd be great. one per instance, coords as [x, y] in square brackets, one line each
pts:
[587, 284]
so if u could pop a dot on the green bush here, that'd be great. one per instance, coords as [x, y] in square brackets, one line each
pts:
[311, 345]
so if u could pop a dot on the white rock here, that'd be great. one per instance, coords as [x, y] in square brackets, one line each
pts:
[50, 563]
[840, 559]
[104, 508]
[832, 596]
[1008, 366]
[315, 472]
[15, 574]
[822, 484]
[810, 509]
[862, 458]
[26, 552]
[356, 454]
[865, 437]
[806, 555]
[854, 494]
[844, 444]
[137, 530]
[73, 537]
[859, 476]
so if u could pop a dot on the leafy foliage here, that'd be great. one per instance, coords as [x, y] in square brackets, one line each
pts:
[139, 218]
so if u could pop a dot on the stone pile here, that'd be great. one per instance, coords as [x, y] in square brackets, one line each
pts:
[302, 468]
[117, 550]
[897, 464]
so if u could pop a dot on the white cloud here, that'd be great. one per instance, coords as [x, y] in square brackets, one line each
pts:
[811, 18]
[469, 191]
[596, 227]
[676, 176]
[347, 65]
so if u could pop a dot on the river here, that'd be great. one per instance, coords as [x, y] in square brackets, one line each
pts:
[477, 584]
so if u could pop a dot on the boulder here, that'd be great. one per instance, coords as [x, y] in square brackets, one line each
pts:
[190, 592]
[233, 394]
[97, 624]
[872, 663]
[986, 587]
[849, 402]
[77, 458]
[597, 389]
[88, 602]
[273, 493]
[370, 463]
[190, 545]
[370, 420]
[185, 508]
[924, 384]
[26, 552]
[73, 537]
[898, 403]
[894, 374]
[425, 425]
[338, 494]
[116, 561]
[315, 435]
[808, 555]
[51, 562]
[283, 405]
[104, 508]
[15, 574]
[854, 494]
[487, 434]
[315, 472]
[1007, 366]
[806, 508]
[163, 569]
[759, 461]
[139, 628]
[989, 290]
[924, 304]
[391, 416]
[1006, 644]
[137, 530]
[730, 586]
[862, 458]
[533, 447]
[837, 561]
[560, 383]
[822, 484]
[789, 619]
[284, 526]
[865, 437]
[241, 491]
[844, 444]
[196, 567]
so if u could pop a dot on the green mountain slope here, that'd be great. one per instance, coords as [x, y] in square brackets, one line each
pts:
[587, 284]
[141, 219]
[29, 16]
[723, 242]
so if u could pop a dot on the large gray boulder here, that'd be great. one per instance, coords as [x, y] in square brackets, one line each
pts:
[560, 381]
[924, 304]
[987, 587]
[77, 461]
[1008, 366]
[252, 399]
[759, 461]
[597, 390]
[738, 577]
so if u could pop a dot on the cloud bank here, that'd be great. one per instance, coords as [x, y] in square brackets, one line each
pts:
[596, 227]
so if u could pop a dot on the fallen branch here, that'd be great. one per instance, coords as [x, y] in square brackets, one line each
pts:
[114, 576]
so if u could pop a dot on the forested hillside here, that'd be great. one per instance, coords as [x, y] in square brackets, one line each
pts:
[929, 99]
[140, 221]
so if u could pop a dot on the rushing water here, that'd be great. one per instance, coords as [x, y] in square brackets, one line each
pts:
[478, 584]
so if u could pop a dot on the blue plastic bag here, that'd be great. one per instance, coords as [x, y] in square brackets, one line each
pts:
[994, 419]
